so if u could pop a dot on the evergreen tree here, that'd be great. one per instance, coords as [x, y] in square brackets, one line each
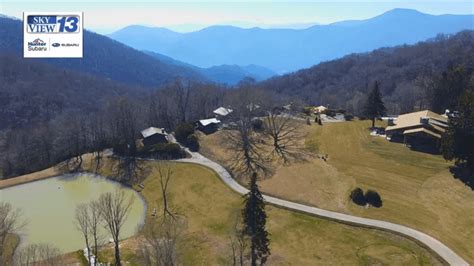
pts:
[374, 106]
[254, 223]
[458, 142]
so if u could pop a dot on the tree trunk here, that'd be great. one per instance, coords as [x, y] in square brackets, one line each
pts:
[95, 250]
[117, 254]
[88, 254]
[253, 252]
[373, 122]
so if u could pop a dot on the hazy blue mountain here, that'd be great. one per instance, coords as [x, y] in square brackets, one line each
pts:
[225, 74]
[103, 57]
[285, 50]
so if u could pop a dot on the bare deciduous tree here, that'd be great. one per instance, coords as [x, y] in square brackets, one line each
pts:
[165, 172]
[238, 243]
[159, 241]
[114, 209]
[39, 254]
[94, 222]
[82, 224]
[10, 223]
[282, 131]
[244, 141]
[98, 138]
[247, 149]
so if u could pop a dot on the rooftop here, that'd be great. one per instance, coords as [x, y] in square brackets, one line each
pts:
[152, 131]
[209, 121]
[414, 119]
[222, 111]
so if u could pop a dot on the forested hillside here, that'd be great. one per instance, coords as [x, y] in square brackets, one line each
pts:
[405, 74]
[32, 92]
[103, 57]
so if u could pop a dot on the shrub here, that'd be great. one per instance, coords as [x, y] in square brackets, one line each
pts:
[373, 198]
[357, 196]
[167, 151]
[257, 124]
[182, 131]
[348, 117]
[330, 112]
[307, 110]
[192, 142]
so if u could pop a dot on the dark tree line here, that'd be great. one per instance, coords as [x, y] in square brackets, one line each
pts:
[117, 123]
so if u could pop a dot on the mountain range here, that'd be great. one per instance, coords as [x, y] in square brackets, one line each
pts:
[287, 50]
[102, 57]
[113, 60]
[224, 74]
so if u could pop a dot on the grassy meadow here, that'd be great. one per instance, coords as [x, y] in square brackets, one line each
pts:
[417, 189]
[211, 208]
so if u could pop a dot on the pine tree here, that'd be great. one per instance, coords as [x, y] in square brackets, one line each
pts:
[458, 142]
[254, 223]
[374, 106]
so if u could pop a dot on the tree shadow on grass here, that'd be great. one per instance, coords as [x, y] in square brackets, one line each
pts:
[463, 173]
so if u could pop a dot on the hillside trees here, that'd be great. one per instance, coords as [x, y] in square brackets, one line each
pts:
[47, 254]
[458, 142]
[342, 83]
[444, 91]
[124, 119]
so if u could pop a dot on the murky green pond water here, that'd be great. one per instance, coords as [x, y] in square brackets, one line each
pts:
[49, 206]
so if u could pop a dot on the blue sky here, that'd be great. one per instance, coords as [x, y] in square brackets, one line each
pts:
[107, 16]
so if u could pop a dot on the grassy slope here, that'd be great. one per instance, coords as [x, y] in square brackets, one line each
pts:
[211, 208]
[417, 188]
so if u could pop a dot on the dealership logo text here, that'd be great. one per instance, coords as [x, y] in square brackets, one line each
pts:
[37, 45]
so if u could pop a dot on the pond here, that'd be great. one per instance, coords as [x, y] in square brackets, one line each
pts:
[49, 207]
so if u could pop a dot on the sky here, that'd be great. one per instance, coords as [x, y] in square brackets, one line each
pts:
[107, 16]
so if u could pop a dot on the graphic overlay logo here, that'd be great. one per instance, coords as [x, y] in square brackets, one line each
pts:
[52, 35]
[37, 45]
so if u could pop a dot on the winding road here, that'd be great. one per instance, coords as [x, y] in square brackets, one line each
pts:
[435, 245]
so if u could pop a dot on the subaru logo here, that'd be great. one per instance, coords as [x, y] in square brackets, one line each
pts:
[56, 44]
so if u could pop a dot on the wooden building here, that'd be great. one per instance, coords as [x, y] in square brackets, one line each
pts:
[153, 135]
[418, 129]
[208, 126]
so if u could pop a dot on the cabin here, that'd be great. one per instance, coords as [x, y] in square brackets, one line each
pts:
[153, 135]
[222, 112]
[208, 126]
[418, 129]
[319, 109]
